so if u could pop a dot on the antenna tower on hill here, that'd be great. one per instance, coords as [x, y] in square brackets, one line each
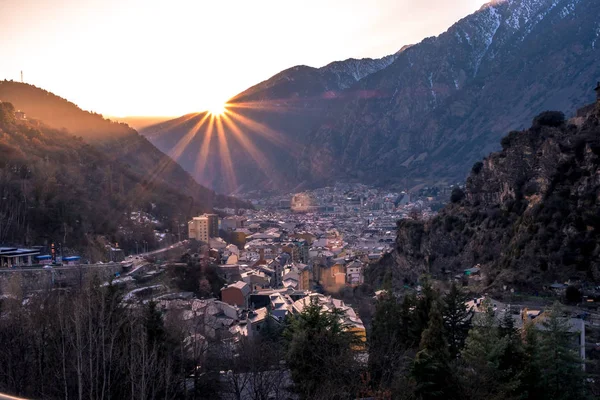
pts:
[21, 76]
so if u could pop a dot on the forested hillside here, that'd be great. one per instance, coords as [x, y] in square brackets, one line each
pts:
[56, 187]
[117, 141]
[528, 215]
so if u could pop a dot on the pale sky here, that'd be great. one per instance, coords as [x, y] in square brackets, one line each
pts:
[172, 57]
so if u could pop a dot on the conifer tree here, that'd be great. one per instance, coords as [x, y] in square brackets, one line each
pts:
[484, 376]
[385, 342]
[562, 367]
[457, 319]
[530, 387]
[431, 370]
[420, 317]
[319, 353]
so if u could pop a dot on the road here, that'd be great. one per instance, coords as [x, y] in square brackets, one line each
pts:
[137, 262]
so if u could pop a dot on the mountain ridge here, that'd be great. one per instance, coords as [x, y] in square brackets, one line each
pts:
[118, 141]
[425, 113]
[528, 216]
[455, 94]
[271, 119]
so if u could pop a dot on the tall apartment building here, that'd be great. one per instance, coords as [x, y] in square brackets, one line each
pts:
[204, 227]
[198, 229]
[213, 225]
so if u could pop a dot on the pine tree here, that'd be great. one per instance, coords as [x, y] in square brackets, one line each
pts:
[319, 352]
[385, 342]
[484, 376]
[562, 367]
[431, 370]
[420, 317]
[457, 319]
[531, 375]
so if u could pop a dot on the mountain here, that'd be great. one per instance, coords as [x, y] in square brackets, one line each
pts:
[446, 101]
[529, 214]
[265, 129]
[57, 188]
[139, 122]
[424, 114]
[117, 141]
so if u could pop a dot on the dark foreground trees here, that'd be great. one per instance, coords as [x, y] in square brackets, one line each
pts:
[86, 344]
[489, 356]
[89, 344]
[322, 354]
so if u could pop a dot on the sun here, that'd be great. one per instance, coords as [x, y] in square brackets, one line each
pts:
[217, 109]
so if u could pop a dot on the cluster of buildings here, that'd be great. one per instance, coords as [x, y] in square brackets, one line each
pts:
[317, 240]
[294, 250]
[245, 313]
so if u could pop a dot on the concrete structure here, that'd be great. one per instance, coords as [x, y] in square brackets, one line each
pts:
[198, 229]
[213, 225]
[256, 279]
[32, 279]
[17, 257]
[233, 222]
[238, 237]
[354, 273]
[204, 227]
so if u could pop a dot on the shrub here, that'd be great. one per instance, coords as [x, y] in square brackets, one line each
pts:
[457, 195]
[508, 139]
[477, 167]
[549, 118]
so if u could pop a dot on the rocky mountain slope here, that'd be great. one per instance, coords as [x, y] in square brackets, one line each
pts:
[529, 214]
[266, 127]
[424, 114]
[446, 101]
[117, 141]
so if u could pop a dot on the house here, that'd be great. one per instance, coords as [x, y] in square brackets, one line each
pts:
[238, 237]
[334, 277]
[233, 222]
[281, 305]
[236, 294]
[256, 279]
[354, 273]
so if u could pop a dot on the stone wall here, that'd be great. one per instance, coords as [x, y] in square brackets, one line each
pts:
[28, 280]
